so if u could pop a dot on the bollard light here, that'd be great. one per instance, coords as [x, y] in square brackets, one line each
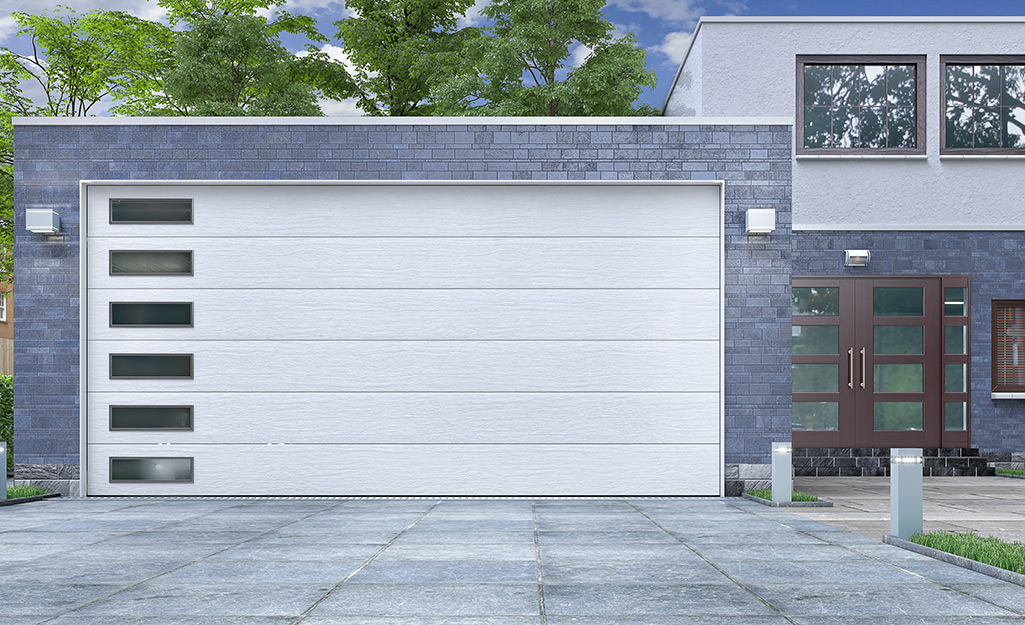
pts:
[782, 472]
[3, 463]
[905, 491]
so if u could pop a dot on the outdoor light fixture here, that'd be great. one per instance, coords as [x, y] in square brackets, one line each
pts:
[856, 258]
[42, 221]
[760, 220]
[782, 471]
[905, 492]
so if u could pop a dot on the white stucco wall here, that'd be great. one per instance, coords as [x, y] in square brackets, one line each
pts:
[747, 67]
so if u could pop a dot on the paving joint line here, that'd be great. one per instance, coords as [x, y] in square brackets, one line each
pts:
[148, 579]
[714, 565]
[306, 612]
[537, 555]
[947, 585]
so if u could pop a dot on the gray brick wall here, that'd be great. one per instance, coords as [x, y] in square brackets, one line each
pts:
[995, 261]
[50, 160]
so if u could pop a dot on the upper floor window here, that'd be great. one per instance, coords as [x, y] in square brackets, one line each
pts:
[860, 104]
[983, 104]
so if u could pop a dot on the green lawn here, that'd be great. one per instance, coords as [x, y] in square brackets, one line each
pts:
[1011, 471]
[794, 496]
[16, 492]
[999, 553]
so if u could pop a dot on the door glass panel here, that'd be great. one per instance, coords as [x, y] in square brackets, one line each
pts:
[954, 301]
[158, 211]
[150, 366]
[953, 378]
[954, 339]
[954, 416]
[151, 469]
[816, 415]
[898, 301]
[151, 417]
[897, 339]
[147, 263]
[816, 339]
[143, 314]
[897, 415]
[816, 378]
[897, 378]
[815, 301]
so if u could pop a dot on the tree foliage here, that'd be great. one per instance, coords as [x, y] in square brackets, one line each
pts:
[400, 48]
[524, 66]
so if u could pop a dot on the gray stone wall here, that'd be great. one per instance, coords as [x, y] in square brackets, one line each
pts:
[995, 261]
[51, 160]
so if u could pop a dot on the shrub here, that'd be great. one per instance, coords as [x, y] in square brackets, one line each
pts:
[7, 417]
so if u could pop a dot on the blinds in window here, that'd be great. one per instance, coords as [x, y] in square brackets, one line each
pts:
[1009, 345]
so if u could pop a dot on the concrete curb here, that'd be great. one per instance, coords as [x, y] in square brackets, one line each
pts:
[966, 563]
[11, 502]
[789, 504]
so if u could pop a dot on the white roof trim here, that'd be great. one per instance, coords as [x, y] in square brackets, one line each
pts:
[403, 121]
[901, 19]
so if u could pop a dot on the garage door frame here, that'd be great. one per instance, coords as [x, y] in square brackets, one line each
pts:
[84, 286]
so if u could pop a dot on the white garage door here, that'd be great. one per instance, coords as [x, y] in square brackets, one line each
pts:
[403, 339]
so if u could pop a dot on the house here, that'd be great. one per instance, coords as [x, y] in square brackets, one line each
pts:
[398, 307]
[906, 250]
[803, 248]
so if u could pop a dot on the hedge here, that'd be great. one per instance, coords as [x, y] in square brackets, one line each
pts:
[7, 416]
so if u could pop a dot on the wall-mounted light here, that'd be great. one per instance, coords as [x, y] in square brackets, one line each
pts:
[856, 258]
[760, 220]
[42, 221]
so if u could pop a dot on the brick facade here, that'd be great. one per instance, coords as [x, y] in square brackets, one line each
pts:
[52, 159]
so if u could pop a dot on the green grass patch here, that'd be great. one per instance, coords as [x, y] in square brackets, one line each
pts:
[1011, 471]
[999, 553]
[765, 493]
[17, 492]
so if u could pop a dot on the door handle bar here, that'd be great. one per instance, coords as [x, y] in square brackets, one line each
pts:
[850, 367]
[862, 367]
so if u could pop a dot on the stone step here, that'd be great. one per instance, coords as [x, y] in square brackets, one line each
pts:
[875, 461]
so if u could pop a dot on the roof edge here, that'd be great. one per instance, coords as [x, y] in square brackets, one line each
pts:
[875, 19]
[402, 121]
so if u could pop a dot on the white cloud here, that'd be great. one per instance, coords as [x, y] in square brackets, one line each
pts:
[473, 16]
[335, 53]
[674, 46]
[669, 10]
[579, 55]
[307, 6]
[343, 108]
[7, 27]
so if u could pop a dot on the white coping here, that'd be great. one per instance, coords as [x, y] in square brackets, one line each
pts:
[1007, 395]
[862, 157]
[859, 227]
[982, 157]
[859, 19]
[403, 121]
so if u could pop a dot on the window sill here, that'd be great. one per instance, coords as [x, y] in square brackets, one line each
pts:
[1007, 395]
[982, 157]
[861, 157]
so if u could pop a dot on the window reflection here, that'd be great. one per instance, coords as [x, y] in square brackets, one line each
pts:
[985, 106]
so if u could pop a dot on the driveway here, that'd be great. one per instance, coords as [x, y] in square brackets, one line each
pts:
[480, 562]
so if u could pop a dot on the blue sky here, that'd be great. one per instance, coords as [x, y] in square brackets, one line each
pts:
[662, 27]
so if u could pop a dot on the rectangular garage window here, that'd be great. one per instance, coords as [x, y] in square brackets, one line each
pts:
[151, 417]
[150, 366]
[150, 211]
[151, 262]
[150, 314]
[151, 469]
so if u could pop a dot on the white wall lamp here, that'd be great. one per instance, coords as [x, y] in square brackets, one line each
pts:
[760, 220]
[42, 221]
[856, 258]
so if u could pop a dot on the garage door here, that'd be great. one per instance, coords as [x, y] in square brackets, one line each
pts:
[403, 339]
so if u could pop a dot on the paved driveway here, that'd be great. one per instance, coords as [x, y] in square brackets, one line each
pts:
[406, 562]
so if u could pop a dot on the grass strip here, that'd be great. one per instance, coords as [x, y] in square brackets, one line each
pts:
[17, 492]
[765, 493]
[1011, 471]
[985, 549]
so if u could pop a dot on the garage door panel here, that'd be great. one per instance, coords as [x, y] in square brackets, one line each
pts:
[451, 314]
[425, 417]
[424, 470]
[475, 263]
[424, 365]
[426, 210]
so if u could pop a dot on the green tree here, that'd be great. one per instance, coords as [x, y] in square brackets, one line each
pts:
[78, 60]
[231, 62]
[524, 68]
[400, 48]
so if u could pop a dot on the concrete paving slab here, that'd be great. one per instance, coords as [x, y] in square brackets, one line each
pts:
[695, 562]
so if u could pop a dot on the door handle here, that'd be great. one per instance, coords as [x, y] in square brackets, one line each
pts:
[850, 367]
[862, 367]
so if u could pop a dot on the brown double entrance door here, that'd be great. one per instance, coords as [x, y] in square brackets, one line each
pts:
[880, 362]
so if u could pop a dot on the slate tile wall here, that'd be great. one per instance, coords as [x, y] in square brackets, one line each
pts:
[995, 261]
[51, 160]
